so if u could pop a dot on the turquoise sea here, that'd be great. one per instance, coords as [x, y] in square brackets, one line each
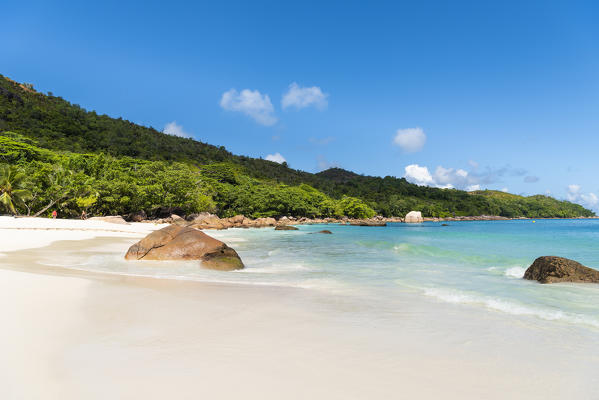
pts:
[475, 263]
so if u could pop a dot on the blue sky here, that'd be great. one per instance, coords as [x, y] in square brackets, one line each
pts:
[500, 95]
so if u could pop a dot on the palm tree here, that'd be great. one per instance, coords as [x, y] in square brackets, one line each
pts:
[12, 187]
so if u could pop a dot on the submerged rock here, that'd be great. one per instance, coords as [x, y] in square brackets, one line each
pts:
[414, 217]
[184, 243]
[367, 222]
[325, 231]
[285, 228]
[551, 269]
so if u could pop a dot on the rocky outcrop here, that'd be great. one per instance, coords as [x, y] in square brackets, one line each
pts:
[414, 217]
[285, 228]
[113, 219]
[551, 269]
[183, 243]
[325, 231]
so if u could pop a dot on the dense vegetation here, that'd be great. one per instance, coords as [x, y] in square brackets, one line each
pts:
[56, 155]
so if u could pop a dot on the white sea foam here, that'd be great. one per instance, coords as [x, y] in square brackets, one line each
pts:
[515, 272]
[509, 307]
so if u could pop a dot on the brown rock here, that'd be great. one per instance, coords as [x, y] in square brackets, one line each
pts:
[183, 243]
[551, 269]
[285, 228]
[367, 222]
[326, 232]
[138, 216]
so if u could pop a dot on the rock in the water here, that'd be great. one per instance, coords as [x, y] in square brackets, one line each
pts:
[113, 219]
[551, 269]
[444, 224]
[183, 243]
[326, 232]
[414, 217]
[285, 228]
[367, 222]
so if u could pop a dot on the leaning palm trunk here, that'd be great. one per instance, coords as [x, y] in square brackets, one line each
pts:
[50, 204]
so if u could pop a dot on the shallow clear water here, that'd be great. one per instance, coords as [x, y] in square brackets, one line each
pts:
[475, 263]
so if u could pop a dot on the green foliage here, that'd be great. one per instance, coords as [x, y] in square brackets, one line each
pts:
[355, 208]
[84, 203]
[70, 156]
[12, 188]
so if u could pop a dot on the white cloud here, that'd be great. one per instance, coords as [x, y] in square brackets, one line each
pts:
[172, 128]
[505, 190]
[575, 195]
[419, 175]
[302, 97]
[410, 140]
[251, 103]
[590, 199]
[451, 178]
[573, 192]
[277, 157]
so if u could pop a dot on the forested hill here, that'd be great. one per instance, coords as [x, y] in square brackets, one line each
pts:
[43, 132]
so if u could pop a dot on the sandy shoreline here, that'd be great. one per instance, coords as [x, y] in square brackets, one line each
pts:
[70, 334]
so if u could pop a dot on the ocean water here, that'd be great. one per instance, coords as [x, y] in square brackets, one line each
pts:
[479, 264]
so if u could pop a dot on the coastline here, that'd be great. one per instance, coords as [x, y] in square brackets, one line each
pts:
[81, 334]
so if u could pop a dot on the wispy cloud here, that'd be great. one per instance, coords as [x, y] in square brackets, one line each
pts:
[575, 195]
[457, 178]
[301, 97]
[531, 179]
[172, 128]
[322, 163]
[321, 141]
[251, 103]
[277, 157]
[410, 140]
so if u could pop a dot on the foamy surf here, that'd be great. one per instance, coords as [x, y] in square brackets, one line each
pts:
[509, 307]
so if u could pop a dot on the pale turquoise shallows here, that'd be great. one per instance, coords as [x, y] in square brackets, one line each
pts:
[476, 263]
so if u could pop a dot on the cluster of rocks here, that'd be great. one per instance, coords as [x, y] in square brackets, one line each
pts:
[212, 221]
[475, 218]
[184, 243]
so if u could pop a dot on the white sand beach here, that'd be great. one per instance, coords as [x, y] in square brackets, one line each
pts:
[74, 334]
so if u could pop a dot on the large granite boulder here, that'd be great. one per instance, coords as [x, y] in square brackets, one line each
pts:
[183, 243]
[414, 217]
[551, 269]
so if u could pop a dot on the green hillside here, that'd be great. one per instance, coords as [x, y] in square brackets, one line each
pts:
[57, 155]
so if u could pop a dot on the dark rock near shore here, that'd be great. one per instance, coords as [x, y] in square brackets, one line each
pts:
[137, 216]
[444, 224]
[183, 243]
[285, 228]
[551, 269]
[326, 232]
